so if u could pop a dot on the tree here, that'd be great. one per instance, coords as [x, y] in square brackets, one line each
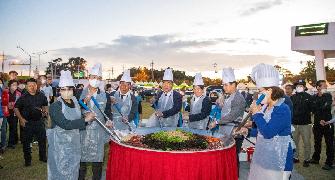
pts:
[178, 76]
[55, 66]
[287, 74]
[308, 72]
[75, 64]
[141, 75]
[72, 65]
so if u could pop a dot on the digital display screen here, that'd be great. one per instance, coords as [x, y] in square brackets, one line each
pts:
[312, 29]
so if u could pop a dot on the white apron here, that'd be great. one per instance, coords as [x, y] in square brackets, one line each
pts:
[269, 158]
[64, 147]
[196, 109]
[94, 137]
[226, 129]
[125, 107]
[164, 105]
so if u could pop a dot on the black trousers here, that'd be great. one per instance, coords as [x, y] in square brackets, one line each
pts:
[328, 133]
[96, 170]
[13, 135]
[34, 129]
[21, 134]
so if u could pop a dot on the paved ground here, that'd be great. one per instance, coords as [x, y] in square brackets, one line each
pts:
[245, 167]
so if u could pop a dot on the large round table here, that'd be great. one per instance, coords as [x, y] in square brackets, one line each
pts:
[127, 162]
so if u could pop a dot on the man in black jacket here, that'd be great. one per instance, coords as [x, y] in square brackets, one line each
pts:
[30, 109]
[322, 111]
[302, 108]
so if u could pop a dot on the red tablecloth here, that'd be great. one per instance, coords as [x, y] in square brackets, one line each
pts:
[130, 163]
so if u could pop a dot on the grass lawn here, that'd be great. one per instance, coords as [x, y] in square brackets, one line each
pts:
[14, 164]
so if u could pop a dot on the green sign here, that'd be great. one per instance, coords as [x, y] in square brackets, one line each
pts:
[78, 74]
[312, 29]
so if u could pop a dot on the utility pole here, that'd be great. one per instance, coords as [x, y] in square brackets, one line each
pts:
[29, 59]
[52, 70]
[3, 61]
[215, 69]
[152, 71]
[39, 57]
[112, 72]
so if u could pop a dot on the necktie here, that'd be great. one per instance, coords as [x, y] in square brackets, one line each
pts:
[165, 100]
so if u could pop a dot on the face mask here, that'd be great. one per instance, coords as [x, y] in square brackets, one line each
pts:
[299, 89]
[43, 81]
[67, 94]
[94, 83]
[323, 91]
[22, 86]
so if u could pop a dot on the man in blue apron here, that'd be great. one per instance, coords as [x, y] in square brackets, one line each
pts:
[273, 156]
[124, 104]
[200, 107]
[168, 103]
[233, 106]
[93, 138]
[64, 151]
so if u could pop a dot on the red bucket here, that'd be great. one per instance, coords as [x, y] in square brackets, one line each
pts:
[250, 152]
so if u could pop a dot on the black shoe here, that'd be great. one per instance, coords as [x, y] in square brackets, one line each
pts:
[295, 160]
[306, 164]
[313, 161]
[27, 164]
[327, 167]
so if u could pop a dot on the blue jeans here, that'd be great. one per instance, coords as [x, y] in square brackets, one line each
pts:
[3, 132]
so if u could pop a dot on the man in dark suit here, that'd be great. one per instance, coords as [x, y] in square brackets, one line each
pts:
[168, 103]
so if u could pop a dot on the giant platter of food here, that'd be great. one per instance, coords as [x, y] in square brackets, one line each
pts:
[174, 140]
[170, 154]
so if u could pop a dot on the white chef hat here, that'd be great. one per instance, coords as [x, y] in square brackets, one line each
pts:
[198, 81]
[126, 76]
[65, 79]
[168, 75]
[265, 75]
[96, 70]
[228, 75]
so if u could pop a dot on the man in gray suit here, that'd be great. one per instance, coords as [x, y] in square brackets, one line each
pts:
[233, 106]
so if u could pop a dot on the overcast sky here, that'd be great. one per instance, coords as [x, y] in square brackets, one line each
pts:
[188, 35]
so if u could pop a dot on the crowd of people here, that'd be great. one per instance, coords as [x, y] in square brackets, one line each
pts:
[70, 138]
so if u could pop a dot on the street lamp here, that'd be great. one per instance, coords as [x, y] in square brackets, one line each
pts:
[215, 65]
[29, 58]
[39, 57]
